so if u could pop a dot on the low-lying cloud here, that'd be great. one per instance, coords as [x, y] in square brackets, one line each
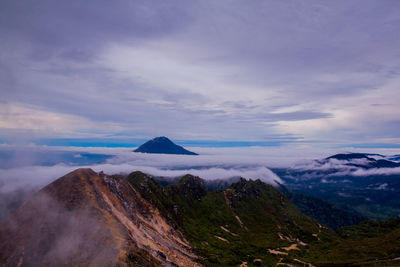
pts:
[212, 163]
[332, 164]
[24, 173]
[20, 178]
[368, 172]
[315, 169]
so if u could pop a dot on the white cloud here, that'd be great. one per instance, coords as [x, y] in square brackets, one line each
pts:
[213, 163]
[376, 171]
[18, 116]
[383, 186]
[38, 176]
[176, 69]
[353, 116]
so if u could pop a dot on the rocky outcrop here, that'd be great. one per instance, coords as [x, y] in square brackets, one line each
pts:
[85, 218]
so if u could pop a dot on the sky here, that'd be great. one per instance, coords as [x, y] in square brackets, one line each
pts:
[307, 73]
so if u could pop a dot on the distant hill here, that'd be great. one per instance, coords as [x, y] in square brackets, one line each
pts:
[395, 158]
[162, 145]
[322, 211]
[366, 161]
[348, 156]
[364, 184]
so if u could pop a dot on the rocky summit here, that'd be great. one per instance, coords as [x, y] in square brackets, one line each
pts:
[88, 218]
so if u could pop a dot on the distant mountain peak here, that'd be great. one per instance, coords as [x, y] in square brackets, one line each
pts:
[163, 145]
[162, 138]
[348, 156]
[369, 162]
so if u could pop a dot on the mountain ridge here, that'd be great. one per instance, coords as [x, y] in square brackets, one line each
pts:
[370, 184]
[89, 218]
[368, 163]
[85, 217]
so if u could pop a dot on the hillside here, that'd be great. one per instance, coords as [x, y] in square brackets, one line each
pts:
[89, 218]
[248, 222]
[322, 211]
[371, 185]
[371, 243]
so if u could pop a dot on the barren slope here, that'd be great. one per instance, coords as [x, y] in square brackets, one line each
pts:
[85, 218]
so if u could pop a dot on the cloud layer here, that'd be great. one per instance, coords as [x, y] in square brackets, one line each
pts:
[213, 163]
[230, 70]
[332, 168]
[24, 173]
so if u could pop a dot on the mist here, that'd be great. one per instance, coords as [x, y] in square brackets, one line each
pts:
[250, 163]
[73, 228]
[25, 170]
[212, 163]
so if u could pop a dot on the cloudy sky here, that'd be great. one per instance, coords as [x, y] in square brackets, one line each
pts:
[304, 72]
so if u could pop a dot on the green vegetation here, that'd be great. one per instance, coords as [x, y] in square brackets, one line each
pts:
[253, 222]
[383, 250]
[322, 211]
[374, 196]
[370, 229]
[236, 225]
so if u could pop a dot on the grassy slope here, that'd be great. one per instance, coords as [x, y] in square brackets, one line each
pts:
[375, 243]
[262, 209]
[265, 213]
[322, 211]
[383, 250]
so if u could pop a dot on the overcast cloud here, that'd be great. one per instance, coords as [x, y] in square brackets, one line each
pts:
[308, 71]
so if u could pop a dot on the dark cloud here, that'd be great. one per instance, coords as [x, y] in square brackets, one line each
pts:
[76, 30]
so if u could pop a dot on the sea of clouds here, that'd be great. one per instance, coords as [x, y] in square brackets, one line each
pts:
[212, 163]
[342, 168]
[22, 171]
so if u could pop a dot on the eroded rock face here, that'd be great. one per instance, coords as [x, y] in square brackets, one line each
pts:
[88, 219]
